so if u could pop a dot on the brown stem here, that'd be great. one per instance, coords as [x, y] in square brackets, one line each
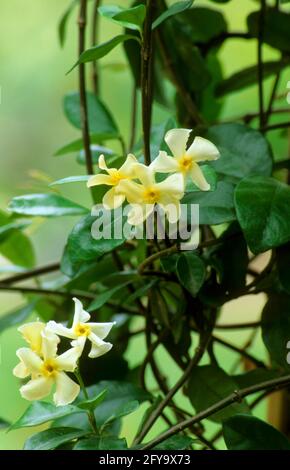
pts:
[133, 118]
[94, 40]
[238, 326]
[31, 273]
[260, 63]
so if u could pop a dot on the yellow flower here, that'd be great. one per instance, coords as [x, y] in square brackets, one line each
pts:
[185, 161]
[81, 330]
[144, 195]
[113, 198]
[48, 370]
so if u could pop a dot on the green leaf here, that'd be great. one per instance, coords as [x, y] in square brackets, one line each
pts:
[202, 24]
[16, 316]
[244, 151]
[210, 384]
[18, 249]
[123, 410]
[177, 442]
[131, 18]
[78, 145]
[45, 205]
[244, 432]
[171, 11]
[101, 50]
[52, 438]
[276, 328]
[71, 179]
[249, 76]
[283, 263]
[81, 246]
[263, 210]
[103, 297]
[101, 443]
[191, 272]
[276, 31]
[8, 229]
[93, 402]
[256, 376]
[215, 207]
[40, 412]
[63, 22]
[4, 424]
[210, 176]
[101, 122]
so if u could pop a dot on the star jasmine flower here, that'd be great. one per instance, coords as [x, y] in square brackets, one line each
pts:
[144, 195]
[83, 330]
[48, 370]
[185, 161]
[113, 198]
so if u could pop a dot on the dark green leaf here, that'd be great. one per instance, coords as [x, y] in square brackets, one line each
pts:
[191, 272]
[40, 412]
[283, 263]
[63, 22]
[123, 410]
[263, 211]
[16, 316]
[249, 76]
[276, 31]
[45, 205]
[131, 18]
[52, 438]
[103, 297]
[92, 403]
[99, 51]
[202, 24]
[244, 432]
[276, 328]
[256, 376]
[210, 384]
[101, 122]
[174, 9]
[101, 443]
[177, 442]
[18, 249]
[244, 151]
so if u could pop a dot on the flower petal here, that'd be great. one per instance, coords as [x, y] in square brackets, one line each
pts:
[99, 347]
[102, 163]
[127, 167]
[144, 173]
[172, 210]
[36, 389]
[133, 191]
[101, 329]
[113, 200]
[164, 163]
[80, 316]
[21, 371]
[60, 329]
[172, 186]
[49, 344]
[176, 140]
[97, 180]
[198, 178]
[66, 390]
[68, 360]
[202, 150]
[139, 212]
[31, 332]
[30, 359]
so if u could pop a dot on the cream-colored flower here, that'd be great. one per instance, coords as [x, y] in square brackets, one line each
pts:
[113, 198]
[48, 370]
[144, 195]
[81, 330]
[185, 161]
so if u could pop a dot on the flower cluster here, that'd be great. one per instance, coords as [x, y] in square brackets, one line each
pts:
[45, 368]
[137, 183]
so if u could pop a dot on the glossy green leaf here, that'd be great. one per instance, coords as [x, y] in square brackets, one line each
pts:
[177, 442]
[243, 151]
[18, 249]
[174, 9]
[16, 316]
[62, 26]
[101, 122]
[263, 211]
[71, 179]
[210, 384]
[103, 297]
[123, 410]
[52, 438]
[45, 205]
[244, 432]
[256, 376]
[202, 24]
[276, 328]
[191, 272]
[78, 146]
[101, 50]
[276, 28]
[101, 443]
[8, 229]
[131, 18]
[92, 403]
[249, 76]
[40, 412]
[215, 207]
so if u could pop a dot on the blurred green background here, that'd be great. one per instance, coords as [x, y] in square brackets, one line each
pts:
[33, 127]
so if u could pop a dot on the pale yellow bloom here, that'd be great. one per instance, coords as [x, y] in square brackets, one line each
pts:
[47, 370]
[81, 330]
[113, 198]
[144, 195]
[185, 161]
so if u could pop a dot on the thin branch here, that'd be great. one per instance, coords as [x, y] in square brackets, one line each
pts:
[274, 127]
[151, 348]
[148, 261]
[133, 118]
[82, 89]
[236, 396]
[31, 273]
[238, 326]
[94, 41]
[260, 63]
[240, 351]
[269, 111]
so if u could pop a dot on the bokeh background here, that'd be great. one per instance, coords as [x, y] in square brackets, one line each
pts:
[33, 127]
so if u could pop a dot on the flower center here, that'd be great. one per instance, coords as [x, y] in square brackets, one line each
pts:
[49, 368]
[185, 163]
[151, 195]
[116, 177]
[82, 330]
